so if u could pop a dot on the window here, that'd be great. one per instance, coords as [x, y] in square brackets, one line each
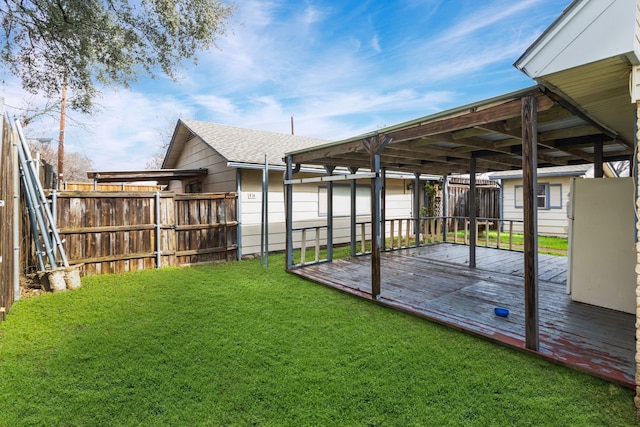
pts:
[541, 195]
[342, 200]
[548, 196]
[193, 187]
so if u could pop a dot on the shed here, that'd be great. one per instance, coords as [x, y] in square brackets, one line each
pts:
[235, 158]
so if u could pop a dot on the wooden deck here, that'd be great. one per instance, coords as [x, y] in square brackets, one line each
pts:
[436, 283]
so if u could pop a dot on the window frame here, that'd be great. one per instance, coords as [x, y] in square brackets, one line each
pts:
[550, 193]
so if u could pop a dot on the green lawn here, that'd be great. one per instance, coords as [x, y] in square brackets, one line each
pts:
[232, 344]
[546, 244]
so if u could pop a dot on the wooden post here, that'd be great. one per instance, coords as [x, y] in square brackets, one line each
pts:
[352, 227]
[383, 209]
[445, 206]
[317, 245]
[303, 246]
[329, 170]
[392, 233]
[486, 233]
[530, 185]
[416, 208]
[511, 235]
[473, 231]
[375, 225]
[374, 147]
[408, 236]
[158, 229]
[363, 237]
[466, 231]
[598, 171]
[288, 196]
[455, 230]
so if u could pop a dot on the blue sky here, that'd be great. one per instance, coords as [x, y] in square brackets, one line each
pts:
[340, 68]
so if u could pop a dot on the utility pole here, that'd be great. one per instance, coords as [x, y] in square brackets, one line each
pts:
[63, 107]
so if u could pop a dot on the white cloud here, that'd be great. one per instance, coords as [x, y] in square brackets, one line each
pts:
[375, 43]
[322, 62]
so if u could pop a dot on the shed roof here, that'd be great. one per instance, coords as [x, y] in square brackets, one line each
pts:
[572, 170]
[236, 145]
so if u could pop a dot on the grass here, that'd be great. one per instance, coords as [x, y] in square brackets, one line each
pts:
[235, 345]
[546, 244]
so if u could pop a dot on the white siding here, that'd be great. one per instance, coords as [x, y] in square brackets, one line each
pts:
[197, 154]
[305, 210]
[552, 221]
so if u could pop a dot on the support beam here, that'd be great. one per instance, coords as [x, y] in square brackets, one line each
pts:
[374, 146]
[288, 200]
[416, 207]
[383, 209]
[445, 206]
[329, 170]
[472, 213]
[598, 170]
[352, 222]
[530, 185]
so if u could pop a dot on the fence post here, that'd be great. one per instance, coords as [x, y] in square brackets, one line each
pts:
[158, 228]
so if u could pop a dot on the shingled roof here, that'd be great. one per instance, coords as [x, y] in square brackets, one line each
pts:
[570, 170]
[235, 144]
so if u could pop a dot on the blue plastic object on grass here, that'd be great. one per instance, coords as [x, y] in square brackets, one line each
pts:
[502, 312]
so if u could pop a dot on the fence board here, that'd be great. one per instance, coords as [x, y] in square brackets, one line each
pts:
[487, 202]
[7, 253]
[111, 232]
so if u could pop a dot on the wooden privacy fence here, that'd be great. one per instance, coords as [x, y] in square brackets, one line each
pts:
[487, 200]
[112, 232]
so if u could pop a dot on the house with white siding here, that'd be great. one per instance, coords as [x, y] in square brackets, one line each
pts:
[554, 187]
[235, 157]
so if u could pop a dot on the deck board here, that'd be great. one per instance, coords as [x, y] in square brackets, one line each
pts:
[435, 282]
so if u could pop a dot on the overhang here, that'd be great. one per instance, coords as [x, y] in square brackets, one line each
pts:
[162, 176]
[586, 57]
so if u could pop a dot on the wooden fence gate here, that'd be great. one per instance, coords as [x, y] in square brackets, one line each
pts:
[113, 232]
[487, 200]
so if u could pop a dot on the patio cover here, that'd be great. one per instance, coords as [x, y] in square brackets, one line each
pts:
[527, 129]
[489, 131]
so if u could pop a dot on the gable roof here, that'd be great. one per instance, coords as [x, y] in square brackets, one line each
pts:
[586, 57]
[587, 31]
[238, 146]
[572, 170]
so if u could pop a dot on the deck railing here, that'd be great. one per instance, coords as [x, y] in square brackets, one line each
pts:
[317, 239]
[399, 234]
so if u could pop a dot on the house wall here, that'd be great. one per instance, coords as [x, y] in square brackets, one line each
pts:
[307, 201]
[552, 221]
[196, 154]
